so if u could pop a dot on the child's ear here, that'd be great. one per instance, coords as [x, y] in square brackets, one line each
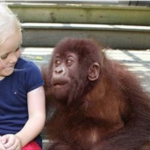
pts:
[94, 71]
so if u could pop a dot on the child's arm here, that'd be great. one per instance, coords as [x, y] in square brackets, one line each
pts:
[36, 122]
[34, 125]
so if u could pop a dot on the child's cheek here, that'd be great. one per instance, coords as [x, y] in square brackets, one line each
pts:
[1, 67]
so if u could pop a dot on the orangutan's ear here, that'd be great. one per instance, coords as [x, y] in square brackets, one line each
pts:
[94, 71]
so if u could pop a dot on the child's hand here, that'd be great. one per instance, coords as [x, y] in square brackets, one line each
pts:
[1, 144]
[11, 142]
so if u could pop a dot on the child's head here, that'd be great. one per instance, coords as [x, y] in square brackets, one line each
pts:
[10, 41]
[9, 23]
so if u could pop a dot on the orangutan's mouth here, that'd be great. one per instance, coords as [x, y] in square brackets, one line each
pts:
[59, 84]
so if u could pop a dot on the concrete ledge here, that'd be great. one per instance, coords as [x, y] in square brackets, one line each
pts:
[138, 62]
[46, 144]
[113, 36]
[82, 13]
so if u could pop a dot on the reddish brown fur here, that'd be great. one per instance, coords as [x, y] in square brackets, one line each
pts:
[114, 115]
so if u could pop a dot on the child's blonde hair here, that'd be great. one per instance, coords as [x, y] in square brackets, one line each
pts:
[9, 22]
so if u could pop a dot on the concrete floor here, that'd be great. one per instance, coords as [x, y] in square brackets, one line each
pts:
[137, 62]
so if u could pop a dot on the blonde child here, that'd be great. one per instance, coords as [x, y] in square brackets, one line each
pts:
[22, 100]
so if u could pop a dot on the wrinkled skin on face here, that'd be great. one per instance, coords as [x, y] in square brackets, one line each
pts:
[63, 71]
[67, 81]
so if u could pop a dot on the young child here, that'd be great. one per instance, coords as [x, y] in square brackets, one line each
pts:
[22, 100]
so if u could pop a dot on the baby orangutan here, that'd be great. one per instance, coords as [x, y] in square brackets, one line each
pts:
[96, 103]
